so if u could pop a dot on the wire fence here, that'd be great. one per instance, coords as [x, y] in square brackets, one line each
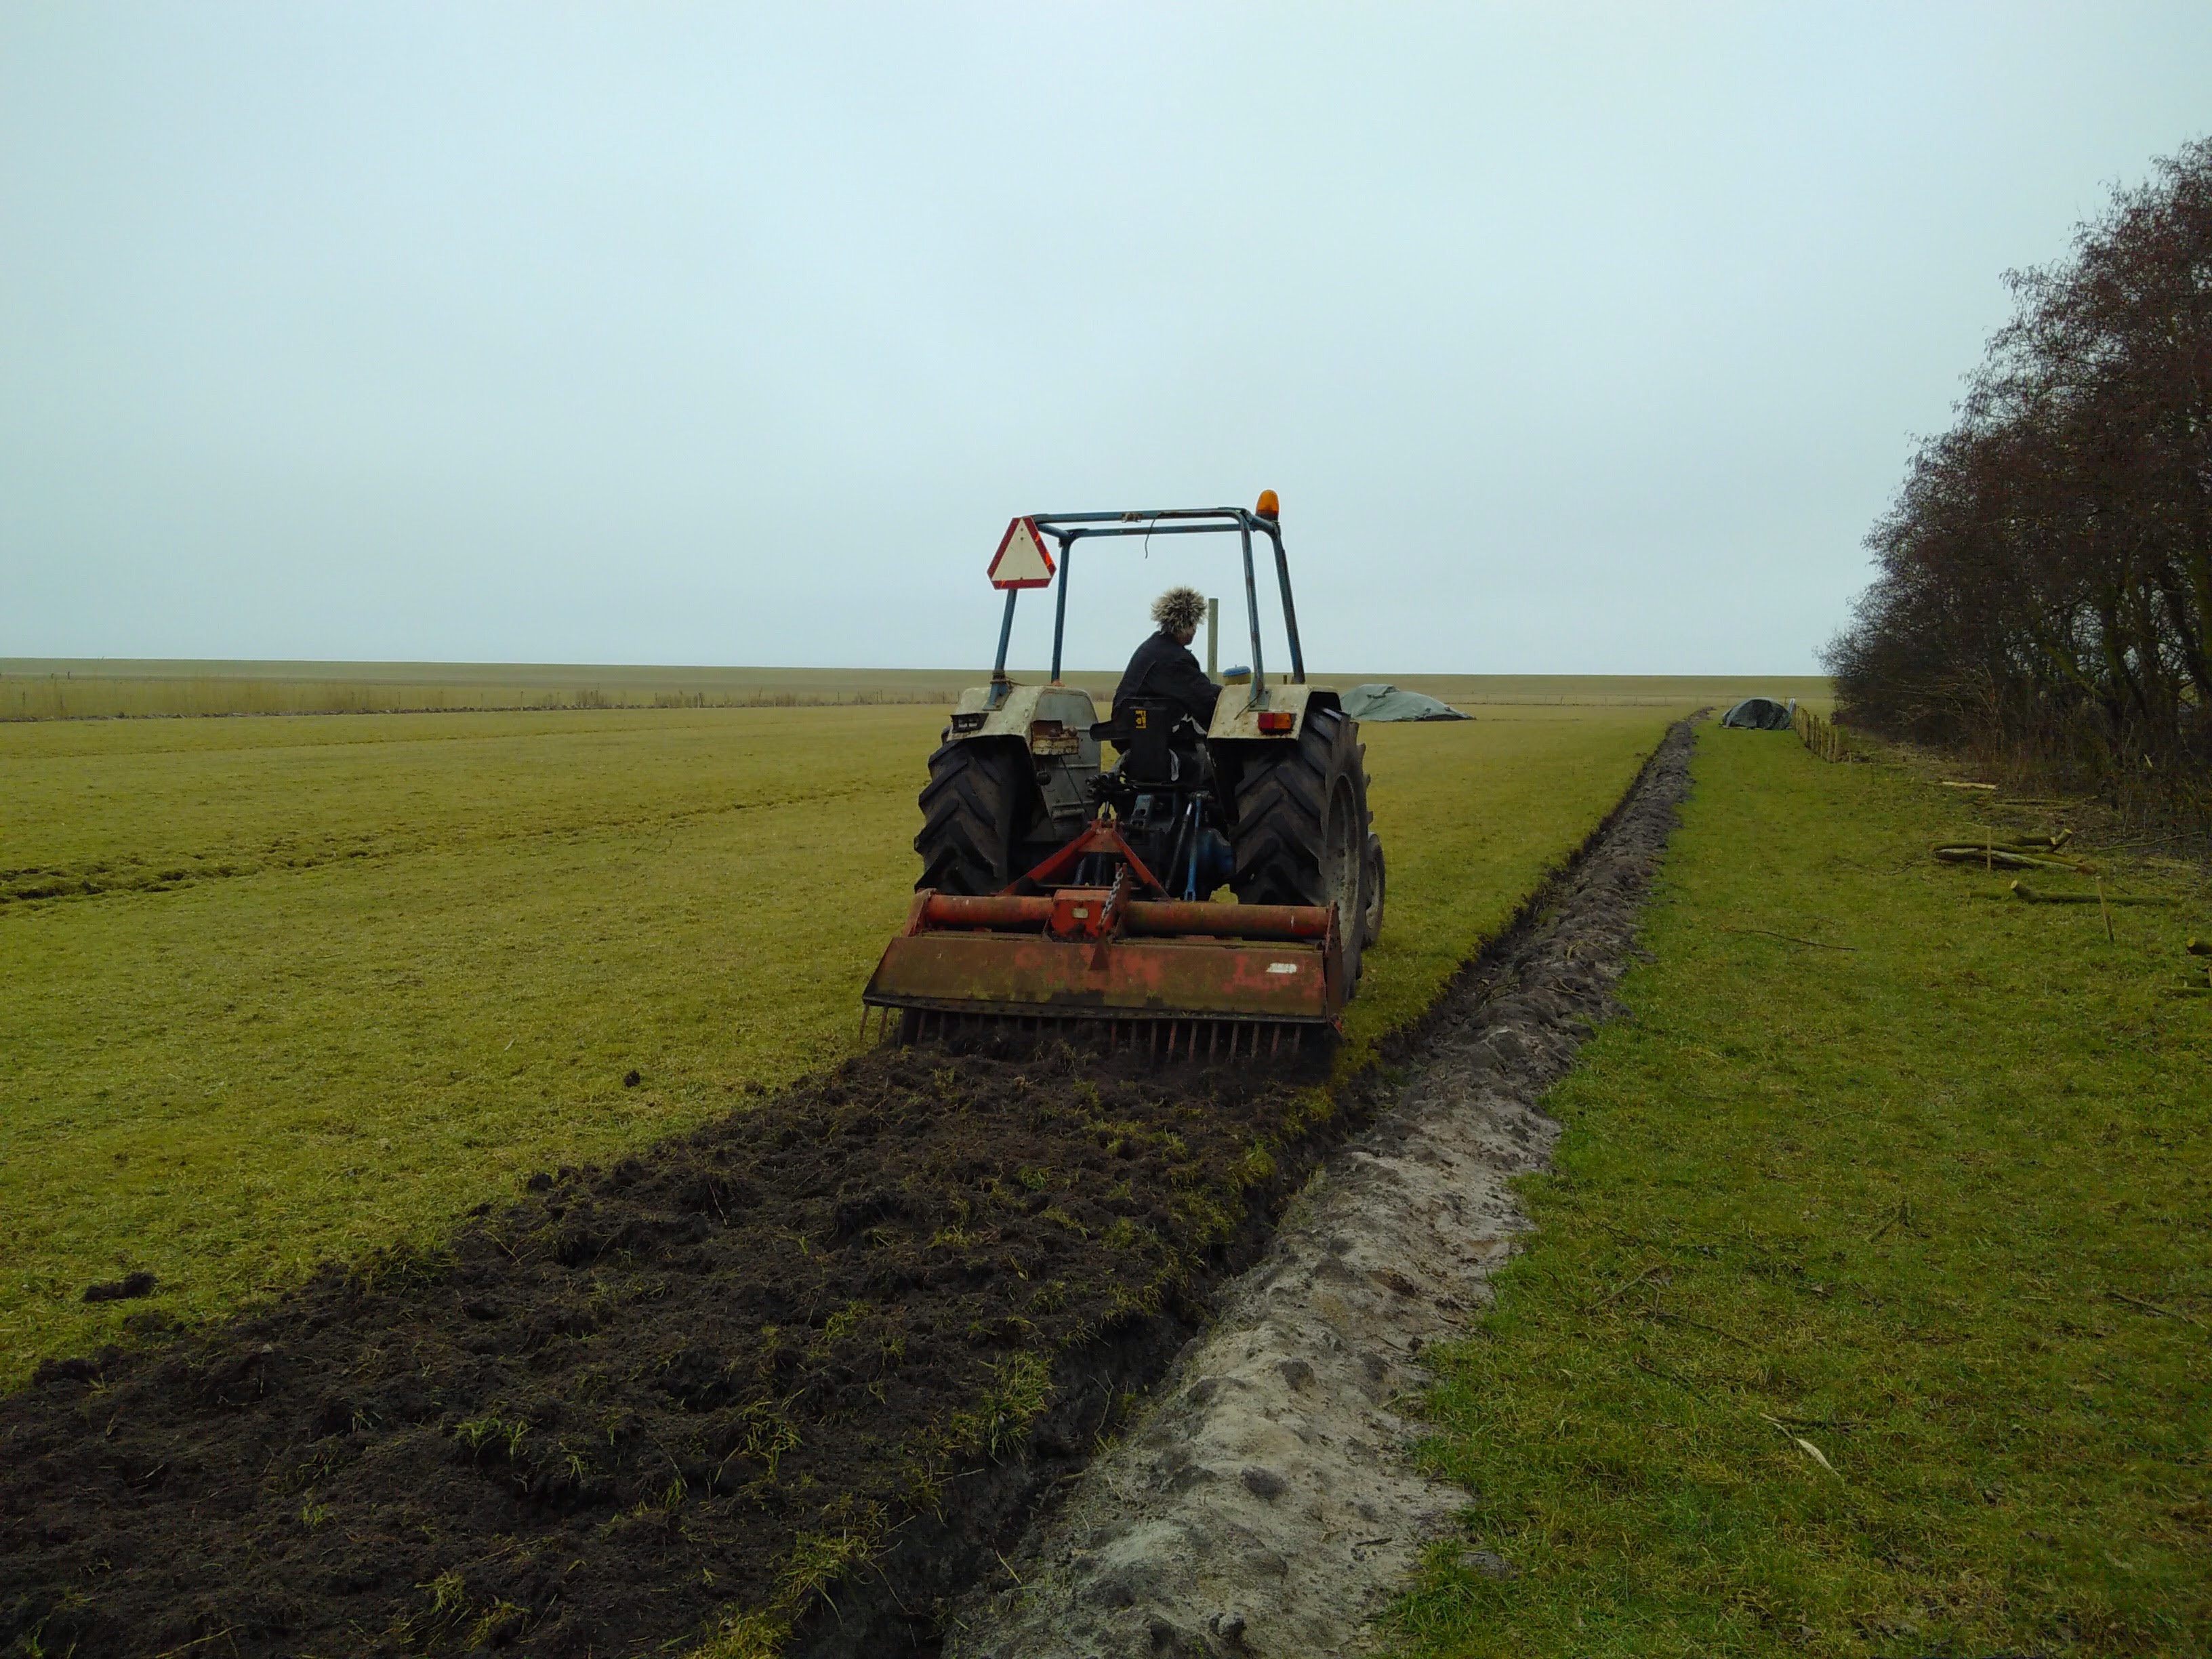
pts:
[1823, 737]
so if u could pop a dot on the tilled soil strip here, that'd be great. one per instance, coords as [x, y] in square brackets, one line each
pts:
[784, 1382]
[1265, 1504]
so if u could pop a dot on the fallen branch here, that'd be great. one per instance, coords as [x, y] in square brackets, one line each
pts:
[1997, 856]
[2027, 895]
[1658, 1312]
[1643, 1363]
[1623, 1290]
[1793, 939]
[2152, 1307]
[2023, 843]
[1903, 1208]
[1805, 1446]
[1953, 783]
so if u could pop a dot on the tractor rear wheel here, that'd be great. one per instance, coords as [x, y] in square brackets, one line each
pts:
[975, 801]
[1301, 831]
[1375, 878]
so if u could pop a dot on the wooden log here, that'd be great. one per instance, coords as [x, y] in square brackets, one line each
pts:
[2027, 895]
[1991, 856]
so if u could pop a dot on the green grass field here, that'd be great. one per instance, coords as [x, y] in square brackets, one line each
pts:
[1869, 1306]
[282, 989]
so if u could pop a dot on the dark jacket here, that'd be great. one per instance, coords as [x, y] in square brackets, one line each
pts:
[1162, 668]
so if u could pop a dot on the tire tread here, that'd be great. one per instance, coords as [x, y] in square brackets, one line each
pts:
[968, 810]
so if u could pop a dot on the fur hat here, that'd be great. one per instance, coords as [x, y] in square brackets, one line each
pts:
[1179, 608]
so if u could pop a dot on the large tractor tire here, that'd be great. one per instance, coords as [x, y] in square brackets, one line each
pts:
[1377, 880]
[975, 803]
[1301, 831]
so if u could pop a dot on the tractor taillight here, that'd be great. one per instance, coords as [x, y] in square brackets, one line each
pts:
[969, 722]
[1277, 721]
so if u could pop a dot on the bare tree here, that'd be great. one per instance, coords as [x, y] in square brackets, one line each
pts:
[2044, 592]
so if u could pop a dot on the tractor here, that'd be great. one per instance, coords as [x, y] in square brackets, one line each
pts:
[1059, 891]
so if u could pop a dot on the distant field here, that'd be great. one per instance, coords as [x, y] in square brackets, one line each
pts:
[34, 688]
[275, 990]
[38, 689]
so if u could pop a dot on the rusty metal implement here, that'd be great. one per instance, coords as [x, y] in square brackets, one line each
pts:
[1113, 955]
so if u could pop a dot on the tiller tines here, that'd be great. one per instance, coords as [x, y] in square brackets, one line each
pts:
[1111, 951]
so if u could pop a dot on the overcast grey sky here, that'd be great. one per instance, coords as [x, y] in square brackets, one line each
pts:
[1575, 339]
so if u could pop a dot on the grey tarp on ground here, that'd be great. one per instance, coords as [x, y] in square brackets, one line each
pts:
[1387, 703]
[1761, 714]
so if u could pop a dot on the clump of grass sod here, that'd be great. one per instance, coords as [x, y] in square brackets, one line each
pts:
[1869, 1306]
[278, 990]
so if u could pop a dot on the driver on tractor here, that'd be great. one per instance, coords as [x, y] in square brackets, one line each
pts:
[1163, 666]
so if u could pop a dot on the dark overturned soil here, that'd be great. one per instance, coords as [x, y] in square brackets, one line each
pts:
[794, 1361]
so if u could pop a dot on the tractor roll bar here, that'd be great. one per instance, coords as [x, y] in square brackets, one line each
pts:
[1069, 528]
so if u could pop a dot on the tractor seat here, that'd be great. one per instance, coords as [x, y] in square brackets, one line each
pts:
[1143, 730]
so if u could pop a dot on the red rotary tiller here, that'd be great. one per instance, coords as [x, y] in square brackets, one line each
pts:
[1155, 971]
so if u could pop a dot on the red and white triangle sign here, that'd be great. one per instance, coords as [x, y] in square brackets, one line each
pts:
[1021, 559]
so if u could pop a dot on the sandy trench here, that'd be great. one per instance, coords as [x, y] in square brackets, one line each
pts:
[1267, 1503]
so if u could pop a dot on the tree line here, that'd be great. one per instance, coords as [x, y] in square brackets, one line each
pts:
[2044, 594]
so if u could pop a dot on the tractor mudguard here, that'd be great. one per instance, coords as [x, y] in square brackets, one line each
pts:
[1053, 723]
[1051, 720]
[1236, 720]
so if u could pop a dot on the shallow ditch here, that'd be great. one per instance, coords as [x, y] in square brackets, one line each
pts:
[810, 1370]
[1264, 1502]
